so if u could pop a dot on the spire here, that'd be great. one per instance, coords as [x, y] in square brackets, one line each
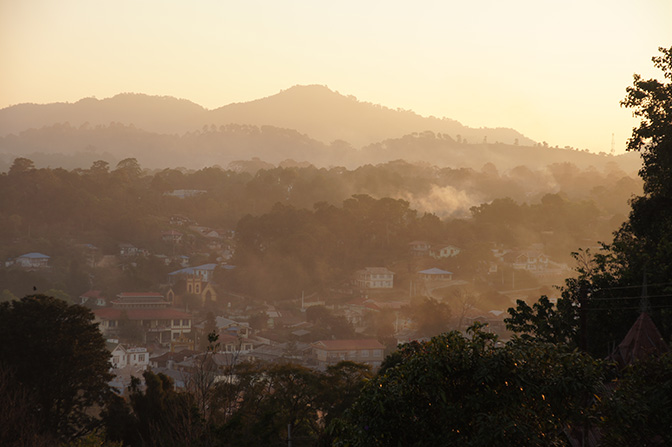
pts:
[644, 304]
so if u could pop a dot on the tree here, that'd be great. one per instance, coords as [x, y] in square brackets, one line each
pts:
[6, 296]
[21, 165]
[201, 382]
[651, 100]
[329, 325]
[453, 390]
[343, 382]
[545, 322]
[100, 167]
[56, 352]
[273, 402]
[19, 426]
[638, 411]
[641, 249]
[158, 415]
[430, 317]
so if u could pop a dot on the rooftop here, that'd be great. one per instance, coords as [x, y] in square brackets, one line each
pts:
[348, 345]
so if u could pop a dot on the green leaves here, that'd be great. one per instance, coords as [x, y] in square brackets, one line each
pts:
[458, 391]
[57, 353]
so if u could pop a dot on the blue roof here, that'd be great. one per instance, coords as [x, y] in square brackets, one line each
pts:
[34, 256]
[191, 270]
[435, 271]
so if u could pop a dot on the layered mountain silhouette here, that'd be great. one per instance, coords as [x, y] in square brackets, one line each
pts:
[313, 110]
[302, 123]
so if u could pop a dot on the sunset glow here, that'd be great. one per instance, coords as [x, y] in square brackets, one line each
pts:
[553, 71]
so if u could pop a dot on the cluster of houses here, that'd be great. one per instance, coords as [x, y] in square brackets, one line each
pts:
[532, 260]
[162, 325]
[160, 329]
[441, 251]
[166, 341]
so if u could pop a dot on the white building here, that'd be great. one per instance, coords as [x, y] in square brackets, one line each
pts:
[444, 251]
[374, 278]
[32, 261]
[122, 356]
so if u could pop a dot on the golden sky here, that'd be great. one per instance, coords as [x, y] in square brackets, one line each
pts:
[553, 70]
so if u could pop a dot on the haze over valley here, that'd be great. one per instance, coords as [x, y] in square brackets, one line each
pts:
[304, 123]
[259, 223]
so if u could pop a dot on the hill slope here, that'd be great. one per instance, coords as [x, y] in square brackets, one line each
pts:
[313, 110]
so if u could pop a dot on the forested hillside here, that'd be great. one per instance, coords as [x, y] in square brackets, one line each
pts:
[304, 123]
[302, 228]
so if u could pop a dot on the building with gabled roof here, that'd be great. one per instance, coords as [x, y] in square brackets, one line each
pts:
[122, 356]
[444, 251]
[435, 274]
[92, 299]
[139, 300]
[32, 261]
[329, 352]
[171, 236]
[191, 286]
[160, 325]
[205, 272]
[529, 260]
[642, 340]
[419, 248]
[374, 278]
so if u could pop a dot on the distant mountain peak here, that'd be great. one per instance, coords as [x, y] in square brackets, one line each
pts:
[314, 110]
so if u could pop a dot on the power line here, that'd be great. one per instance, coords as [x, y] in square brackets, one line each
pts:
[638, 286]
[627, 297]
[664, 306]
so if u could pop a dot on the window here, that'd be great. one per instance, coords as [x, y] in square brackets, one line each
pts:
[378, 353]
[176, 335]
[364, 353]
[176, 322]
[185, 323]
[141, 357]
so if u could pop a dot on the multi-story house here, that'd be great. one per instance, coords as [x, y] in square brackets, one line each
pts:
[374, 278]
[148, 311]
[329, 352]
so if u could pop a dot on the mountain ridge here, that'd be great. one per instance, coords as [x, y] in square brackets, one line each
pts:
[314, 110]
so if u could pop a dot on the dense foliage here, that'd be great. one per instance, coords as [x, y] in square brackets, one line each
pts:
[542, 388]
[453, 390]
[56, 361]
[299, 228]
[632, 273]
[267, 404]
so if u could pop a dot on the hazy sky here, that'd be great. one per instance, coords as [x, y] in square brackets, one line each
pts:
[554, 71]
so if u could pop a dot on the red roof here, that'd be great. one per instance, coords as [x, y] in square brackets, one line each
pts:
[139, 294]
[108, 313]
[348, 345]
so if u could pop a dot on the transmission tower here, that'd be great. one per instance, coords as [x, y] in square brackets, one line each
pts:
[613, 151]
